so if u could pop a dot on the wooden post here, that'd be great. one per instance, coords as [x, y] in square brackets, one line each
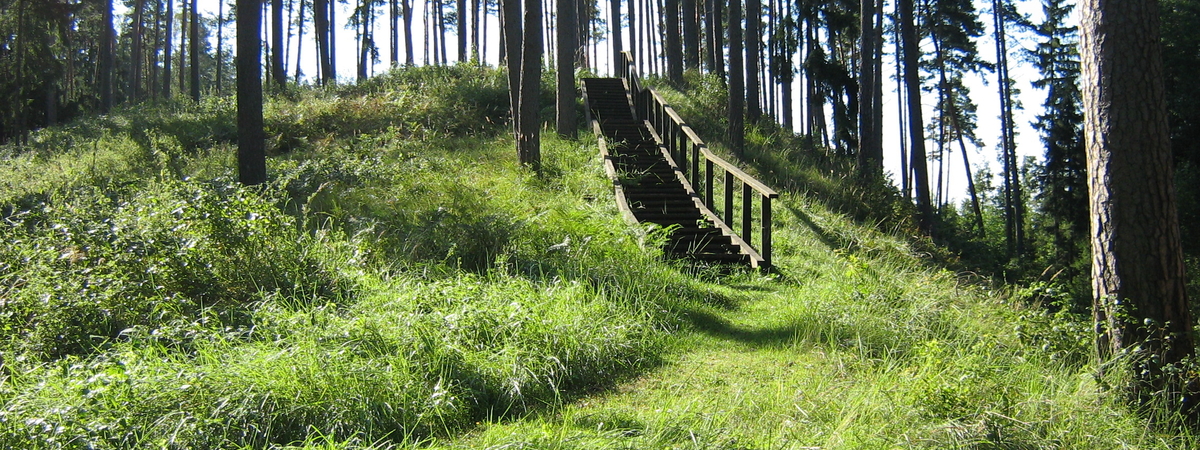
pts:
[766, 230]
[747, 212]
[728, 198]
[708, 183]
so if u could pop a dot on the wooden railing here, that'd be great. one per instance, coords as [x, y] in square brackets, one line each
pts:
[687, 151]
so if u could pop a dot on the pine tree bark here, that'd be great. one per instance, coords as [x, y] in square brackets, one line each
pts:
[691, 36]
[737, 89]
[252, 164]
[321, 31]
[299, 39]
[221, 44]
[136, 44]
[278, 74]
[674, 42]
[916, 124]
[406, 5]
[528, 137]
[107, 42]
[565, 119]
[870, 145]
[194, 53]
[614, 29]
[1140, 303]
[753, 55]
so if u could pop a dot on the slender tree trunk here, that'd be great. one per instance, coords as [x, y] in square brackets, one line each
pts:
[278, 73]
[406, 5]
[441, 21]
[136, 44]
[870, 146]
[916, 125]
[691, 36]
[221, 45]
[252, 166]
[1012, 180]
[615, 32]
[567, 44]
[737, 90]
[194, 42]
[394, 31]
[524, 42]
[511, 21]
[475, 31]
[332, 30]
[462, 30]
[107, 42]
[299, 39]
[753, 19]
[321, 31]
[363, 36]
[674, 43]
[1140, 299]
[154, 53]
[711, 29]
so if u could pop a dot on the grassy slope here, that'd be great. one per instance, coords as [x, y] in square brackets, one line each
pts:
[400, 280]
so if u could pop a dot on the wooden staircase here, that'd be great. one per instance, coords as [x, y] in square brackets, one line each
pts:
[650, 186]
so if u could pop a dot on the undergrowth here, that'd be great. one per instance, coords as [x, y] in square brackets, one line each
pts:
[401, 282]
[398, 278]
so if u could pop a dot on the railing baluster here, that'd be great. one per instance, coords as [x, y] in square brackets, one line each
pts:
[695, 162]
[708, 183]
[747, 212]
[766, 229]
[728, 197]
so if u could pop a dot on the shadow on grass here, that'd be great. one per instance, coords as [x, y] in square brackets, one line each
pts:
[830, 240]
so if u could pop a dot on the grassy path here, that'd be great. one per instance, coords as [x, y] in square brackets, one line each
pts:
[859, 344]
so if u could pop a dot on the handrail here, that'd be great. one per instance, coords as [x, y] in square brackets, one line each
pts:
[679, 140]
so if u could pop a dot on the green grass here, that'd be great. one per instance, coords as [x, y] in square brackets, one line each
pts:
[403, 283]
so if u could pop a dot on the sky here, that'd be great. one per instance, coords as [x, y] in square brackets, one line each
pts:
[983, 87]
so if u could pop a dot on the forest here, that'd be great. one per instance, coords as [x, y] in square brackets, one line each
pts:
[300, 223]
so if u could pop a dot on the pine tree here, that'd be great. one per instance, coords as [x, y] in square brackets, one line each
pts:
[1062, 177]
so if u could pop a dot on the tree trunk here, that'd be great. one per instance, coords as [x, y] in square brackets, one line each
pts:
[221, 44]
[194, 42]
[1015, 221]
[299, 39]
[511, 21]
[278, 73]
[135, 60]
[870, 145]
[567, 44]
[332, 41]
[737, 90]
[107, 42]
[252, 164]
[531, 82]
[475, 31]
[674, 44]
[916, 124]
[712, 28]
[691, 36]
[406, 5]
[362, 40]
[462, 30]
[321, 23]
[1139, 297]
[614, 28]
[394, 31]
[753, 19]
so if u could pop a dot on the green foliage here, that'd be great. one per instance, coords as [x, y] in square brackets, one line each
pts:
[388, 285]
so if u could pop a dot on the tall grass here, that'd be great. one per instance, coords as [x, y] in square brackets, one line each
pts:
[397, 280]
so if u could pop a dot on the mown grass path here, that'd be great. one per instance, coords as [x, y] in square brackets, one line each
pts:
[858, 342]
